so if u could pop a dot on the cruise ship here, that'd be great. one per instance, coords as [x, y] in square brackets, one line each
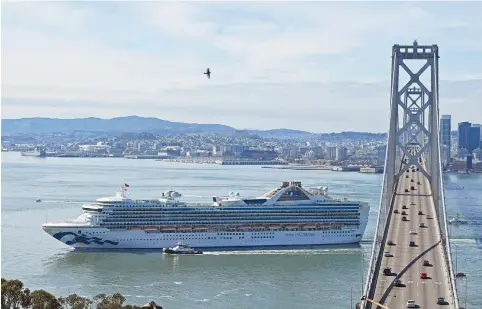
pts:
[289, 215]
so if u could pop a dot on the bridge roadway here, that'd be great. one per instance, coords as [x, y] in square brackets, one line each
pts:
[407, 262]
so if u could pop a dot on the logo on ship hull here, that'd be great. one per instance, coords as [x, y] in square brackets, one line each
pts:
[82, 239]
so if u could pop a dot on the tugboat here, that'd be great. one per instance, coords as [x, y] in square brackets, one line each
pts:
[457, 220]
[181, 248]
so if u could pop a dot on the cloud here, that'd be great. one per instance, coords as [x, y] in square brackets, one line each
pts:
[317, 66]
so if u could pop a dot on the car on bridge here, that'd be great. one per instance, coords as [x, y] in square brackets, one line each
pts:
[429, 217]
[440, 301]
[412, 180]
[404, 207]
[421, 224]
[412, 203]
[412, 232]
[426, 263]
[420, 212]
[412, 188]
[404, 219]
[406, 190]
[397, 282]
[395, 211]
[423, 275]
[412, 244]
[390, 243]
[387, 271]
[418, 183]
[411, 304]
[404, 213]
[387, 254]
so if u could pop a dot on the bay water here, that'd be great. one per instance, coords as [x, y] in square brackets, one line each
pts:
[327, 277]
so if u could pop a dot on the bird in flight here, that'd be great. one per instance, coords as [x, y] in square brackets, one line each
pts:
[208, 73]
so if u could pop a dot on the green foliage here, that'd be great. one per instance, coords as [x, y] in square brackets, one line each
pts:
[42, 299]
[75, 301]
[14, 296]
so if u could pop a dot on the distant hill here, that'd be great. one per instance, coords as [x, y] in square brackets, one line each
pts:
[132, 124]
[135, 124]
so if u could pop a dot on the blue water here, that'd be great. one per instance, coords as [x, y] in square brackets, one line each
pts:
[246, 279]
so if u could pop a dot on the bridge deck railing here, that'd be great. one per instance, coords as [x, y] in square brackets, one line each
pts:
[446, 238]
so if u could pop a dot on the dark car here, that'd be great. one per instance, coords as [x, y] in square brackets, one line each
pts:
[387, 271]
[412, 244]
[420, 212]
[406, 190]
[412, 187]
[440, 301]
[404, 212]
[426, 263]
[390, 243]
[404, 207]
[397, 282]
[395, 211]
[404, 219]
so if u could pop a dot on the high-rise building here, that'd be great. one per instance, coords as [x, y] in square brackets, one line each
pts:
[464, 128]
[474, 139]
[445, 145]
[480, 128]
[341, 153]
[381, 151]
[331, 153]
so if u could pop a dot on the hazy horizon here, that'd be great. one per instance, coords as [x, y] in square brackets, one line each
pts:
[311, 66]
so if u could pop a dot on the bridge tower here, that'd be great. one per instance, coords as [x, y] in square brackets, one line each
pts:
[414, 116]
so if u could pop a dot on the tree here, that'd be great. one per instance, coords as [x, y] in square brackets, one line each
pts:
[114, 301]
[75, 301]
[42, 299]
[13, 294]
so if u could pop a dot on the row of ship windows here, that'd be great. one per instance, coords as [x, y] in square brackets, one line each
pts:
[133, 223]
[215, 238]
[230, 220]
[217, 210]
[120, 227]
[169, 216]
[329, 203]
[267, 219]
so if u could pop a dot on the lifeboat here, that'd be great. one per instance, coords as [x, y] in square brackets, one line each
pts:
[168, 228]
[243, 227]
[201, 228]
[292, 226]
[184, 227]
[149, 228]
[274, 226]
[309, 226]
[135, 227]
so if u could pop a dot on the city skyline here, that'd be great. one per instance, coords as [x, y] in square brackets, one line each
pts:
[317, 67]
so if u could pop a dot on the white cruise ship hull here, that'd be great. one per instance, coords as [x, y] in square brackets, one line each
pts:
[101, 238]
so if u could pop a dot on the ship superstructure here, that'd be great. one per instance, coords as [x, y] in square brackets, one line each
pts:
[289, 215]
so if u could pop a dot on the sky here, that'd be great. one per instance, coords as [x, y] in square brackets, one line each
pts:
[315, 66]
